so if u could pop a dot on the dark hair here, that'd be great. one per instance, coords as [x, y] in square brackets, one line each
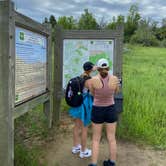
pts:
[88, 66]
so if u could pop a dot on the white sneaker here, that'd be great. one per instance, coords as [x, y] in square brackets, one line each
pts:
[76, 149]
[86, 153]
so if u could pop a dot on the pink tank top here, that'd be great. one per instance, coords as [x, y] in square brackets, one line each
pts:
[104, 96]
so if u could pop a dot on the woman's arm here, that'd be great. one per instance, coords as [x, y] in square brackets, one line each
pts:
[89, 85]
[114, 83]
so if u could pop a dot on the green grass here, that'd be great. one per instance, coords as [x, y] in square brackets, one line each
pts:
[31, 132]
[25, 156]
[144, 90]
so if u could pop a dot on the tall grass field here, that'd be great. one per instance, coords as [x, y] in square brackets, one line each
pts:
[144, 90]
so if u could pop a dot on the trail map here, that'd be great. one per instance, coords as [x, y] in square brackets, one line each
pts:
[76, 52]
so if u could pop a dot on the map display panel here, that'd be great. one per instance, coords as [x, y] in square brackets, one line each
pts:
[76, 52]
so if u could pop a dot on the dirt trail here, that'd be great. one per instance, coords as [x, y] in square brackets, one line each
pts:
[58, 153]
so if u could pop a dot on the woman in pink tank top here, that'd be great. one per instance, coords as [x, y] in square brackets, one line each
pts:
[103, 87]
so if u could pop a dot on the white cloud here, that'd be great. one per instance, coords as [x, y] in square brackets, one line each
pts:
[38, 9]
[118, 1]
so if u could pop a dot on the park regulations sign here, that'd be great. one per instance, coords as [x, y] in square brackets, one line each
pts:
[76, 52]
[30, 72]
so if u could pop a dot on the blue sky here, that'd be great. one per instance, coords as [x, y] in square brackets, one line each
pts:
[39, 9]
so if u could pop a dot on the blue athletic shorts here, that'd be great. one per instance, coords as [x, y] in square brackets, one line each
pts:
[102, 114]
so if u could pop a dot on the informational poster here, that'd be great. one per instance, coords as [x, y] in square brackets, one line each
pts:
[77, 52]
[30, 72]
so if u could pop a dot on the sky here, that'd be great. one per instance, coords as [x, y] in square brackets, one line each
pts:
[39, 9]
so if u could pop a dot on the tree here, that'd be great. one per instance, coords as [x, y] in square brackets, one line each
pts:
[112, 25]
[87, 21]
[102, 23]
[45, 20]
[164, 22]
[161, 32]
[52, 21]
[67, 22]
[132, 22]
[144, 34]
[120, 20]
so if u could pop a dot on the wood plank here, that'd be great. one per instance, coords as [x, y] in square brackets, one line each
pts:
[25, 107]
[6, 83]
[30, 24]
[58, 74]
[90, 34]
[48, 105]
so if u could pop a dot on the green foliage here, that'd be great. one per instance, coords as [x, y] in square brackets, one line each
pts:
[132, 22]
[67, 22]
[31, 130]
[87, 21]
[161, 31]
[119, 21]
[52, 21]
[144, 116]
[24, 157]
[144, 34]
[163, 43]
[64, 106]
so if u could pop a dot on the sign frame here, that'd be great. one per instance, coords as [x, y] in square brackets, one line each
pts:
[116, 35]
[9, 111]
[25, 22]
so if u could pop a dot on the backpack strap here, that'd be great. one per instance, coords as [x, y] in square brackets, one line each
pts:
[78, 85]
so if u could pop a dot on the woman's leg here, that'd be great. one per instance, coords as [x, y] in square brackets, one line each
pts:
[111, 130]
[85, 152]
[83, 137]
[76, 132]
[97, 128]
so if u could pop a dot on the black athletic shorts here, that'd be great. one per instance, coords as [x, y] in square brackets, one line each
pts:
[102, 114]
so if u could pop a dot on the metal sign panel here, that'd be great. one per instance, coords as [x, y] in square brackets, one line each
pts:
[30, 72]
[76, 52]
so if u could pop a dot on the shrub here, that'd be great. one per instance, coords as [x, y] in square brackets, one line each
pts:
[163, 43]
[144, 35]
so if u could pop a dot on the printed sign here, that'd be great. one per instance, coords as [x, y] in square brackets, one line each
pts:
[30, 72]
[77, 52]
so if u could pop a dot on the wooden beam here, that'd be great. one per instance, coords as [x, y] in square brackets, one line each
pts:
[58, 71]
[48, 105]
[90, 34]
[30, 24]
[25, 107]
[6, 83]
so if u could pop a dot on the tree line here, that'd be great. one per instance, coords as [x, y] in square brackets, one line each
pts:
[137, 30]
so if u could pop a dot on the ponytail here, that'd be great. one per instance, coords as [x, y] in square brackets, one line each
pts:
[103, 72]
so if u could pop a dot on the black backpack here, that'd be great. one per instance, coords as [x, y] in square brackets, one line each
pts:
[74, 90]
